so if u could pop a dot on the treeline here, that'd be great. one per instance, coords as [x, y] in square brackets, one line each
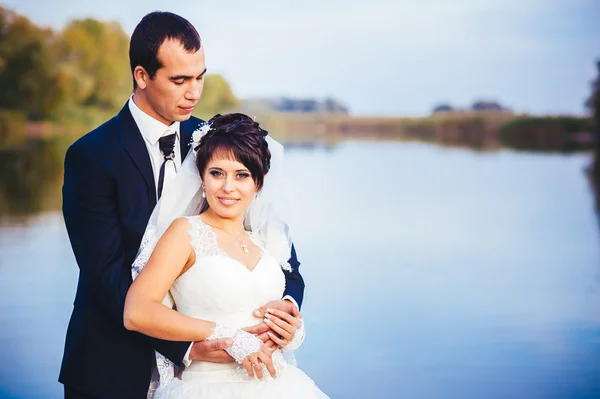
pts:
[552, 133]
[479, 105]
[593, 104]
[78, 75]
[484, 131]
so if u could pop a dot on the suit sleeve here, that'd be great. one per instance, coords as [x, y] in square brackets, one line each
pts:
[294, 283]
[91, 217]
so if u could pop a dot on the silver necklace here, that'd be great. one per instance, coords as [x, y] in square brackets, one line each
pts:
[241, 242]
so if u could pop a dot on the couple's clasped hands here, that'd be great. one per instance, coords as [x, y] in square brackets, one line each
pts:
[281, 321]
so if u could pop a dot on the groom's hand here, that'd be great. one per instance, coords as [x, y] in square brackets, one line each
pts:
[280, 304]
[261, 330]
[211, 351]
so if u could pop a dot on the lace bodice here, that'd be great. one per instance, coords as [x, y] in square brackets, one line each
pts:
[220, 289]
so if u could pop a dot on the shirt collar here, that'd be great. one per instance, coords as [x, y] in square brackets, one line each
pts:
[150, 128]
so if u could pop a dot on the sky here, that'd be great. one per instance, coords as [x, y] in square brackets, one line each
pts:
[382, 57]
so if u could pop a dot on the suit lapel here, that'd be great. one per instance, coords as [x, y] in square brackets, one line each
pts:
[134, 144]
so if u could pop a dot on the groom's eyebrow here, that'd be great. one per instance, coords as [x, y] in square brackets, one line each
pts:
[187, 77]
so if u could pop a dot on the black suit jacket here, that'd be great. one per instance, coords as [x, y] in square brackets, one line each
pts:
[108, 197]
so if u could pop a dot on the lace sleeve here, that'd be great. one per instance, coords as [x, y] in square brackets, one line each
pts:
[244, 343]
[297, 340]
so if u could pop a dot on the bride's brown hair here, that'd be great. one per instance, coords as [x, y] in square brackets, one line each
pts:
[236, 136]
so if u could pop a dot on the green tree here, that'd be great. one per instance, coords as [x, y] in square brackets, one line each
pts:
[593, 103]
[28, 76]
[94, 63]
[78, 75]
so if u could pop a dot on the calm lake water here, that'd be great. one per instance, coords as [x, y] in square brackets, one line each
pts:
[431, 273]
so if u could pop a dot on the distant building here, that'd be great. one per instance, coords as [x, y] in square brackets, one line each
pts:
[290, 105]
[479, 105]
[443, 108]
[484, 105]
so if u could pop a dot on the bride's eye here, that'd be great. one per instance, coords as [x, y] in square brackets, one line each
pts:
[216, 173]
[243, 175]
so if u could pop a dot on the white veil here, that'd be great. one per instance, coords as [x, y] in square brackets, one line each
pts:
[264, 217]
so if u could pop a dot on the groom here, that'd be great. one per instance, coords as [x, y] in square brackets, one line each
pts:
[113, 177]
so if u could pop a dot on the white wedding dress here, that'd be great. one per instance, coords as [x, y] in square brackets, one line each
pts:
[223, 290]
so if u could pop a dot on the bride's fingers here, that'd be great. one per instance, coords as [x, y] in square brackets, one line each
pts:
[290, 319]
[267, 361]
[269, 343]
[248, 366]
[263, 337]
[285, 319]
[277, 340]
[258, 369]
[281, 327]
[257, 329]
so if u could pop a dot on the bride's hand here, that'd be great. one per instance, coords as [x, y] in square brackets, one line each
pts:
[279, 304]
[254, 363]
[284, 324]
[260, 331]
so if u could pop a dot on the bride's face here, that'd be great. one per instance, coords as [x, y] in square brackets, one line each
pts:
[229, 187]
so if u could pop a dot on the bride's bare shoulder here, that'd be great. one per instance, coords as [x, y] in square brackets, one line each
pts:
[180, 226]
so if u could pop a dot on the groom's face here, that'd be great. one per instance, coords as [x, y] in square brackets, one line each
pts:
[177, 86]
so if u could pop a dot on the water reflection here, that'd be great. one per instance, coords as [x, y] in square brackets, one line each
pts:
[31, 177]
[472, 275]
[594, 176]
[31, 173]
[431, 272]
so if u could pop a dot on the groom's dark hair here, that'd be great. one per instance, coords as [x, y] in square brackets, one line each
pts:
[151, 33]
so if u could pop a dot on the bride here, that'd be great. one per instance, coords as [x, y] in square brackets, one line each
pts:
[216, 246]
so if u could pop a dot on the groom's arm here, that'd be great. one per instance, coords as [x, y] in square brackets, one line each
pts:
[294, 283]
[294, 293]
[94, 228]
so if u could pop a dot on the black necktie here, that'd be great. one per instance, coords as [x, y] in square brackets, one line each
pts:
[167, 146]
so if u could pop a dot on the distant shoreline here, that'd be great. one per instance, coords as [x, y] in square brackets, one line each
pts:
[483, 130]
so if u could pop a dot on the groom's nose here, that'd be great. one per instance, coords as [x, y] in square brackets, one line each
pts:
[194, 91]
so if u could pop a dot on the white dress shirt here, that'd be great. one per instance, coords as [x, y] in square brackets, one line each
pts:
[152, 130]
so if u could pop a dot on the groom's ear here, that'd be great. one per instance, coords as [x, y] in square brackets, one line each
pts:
[141, 77]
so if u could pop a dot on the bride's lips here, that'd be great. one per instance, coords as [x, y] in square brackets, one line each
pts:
[227, 201]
